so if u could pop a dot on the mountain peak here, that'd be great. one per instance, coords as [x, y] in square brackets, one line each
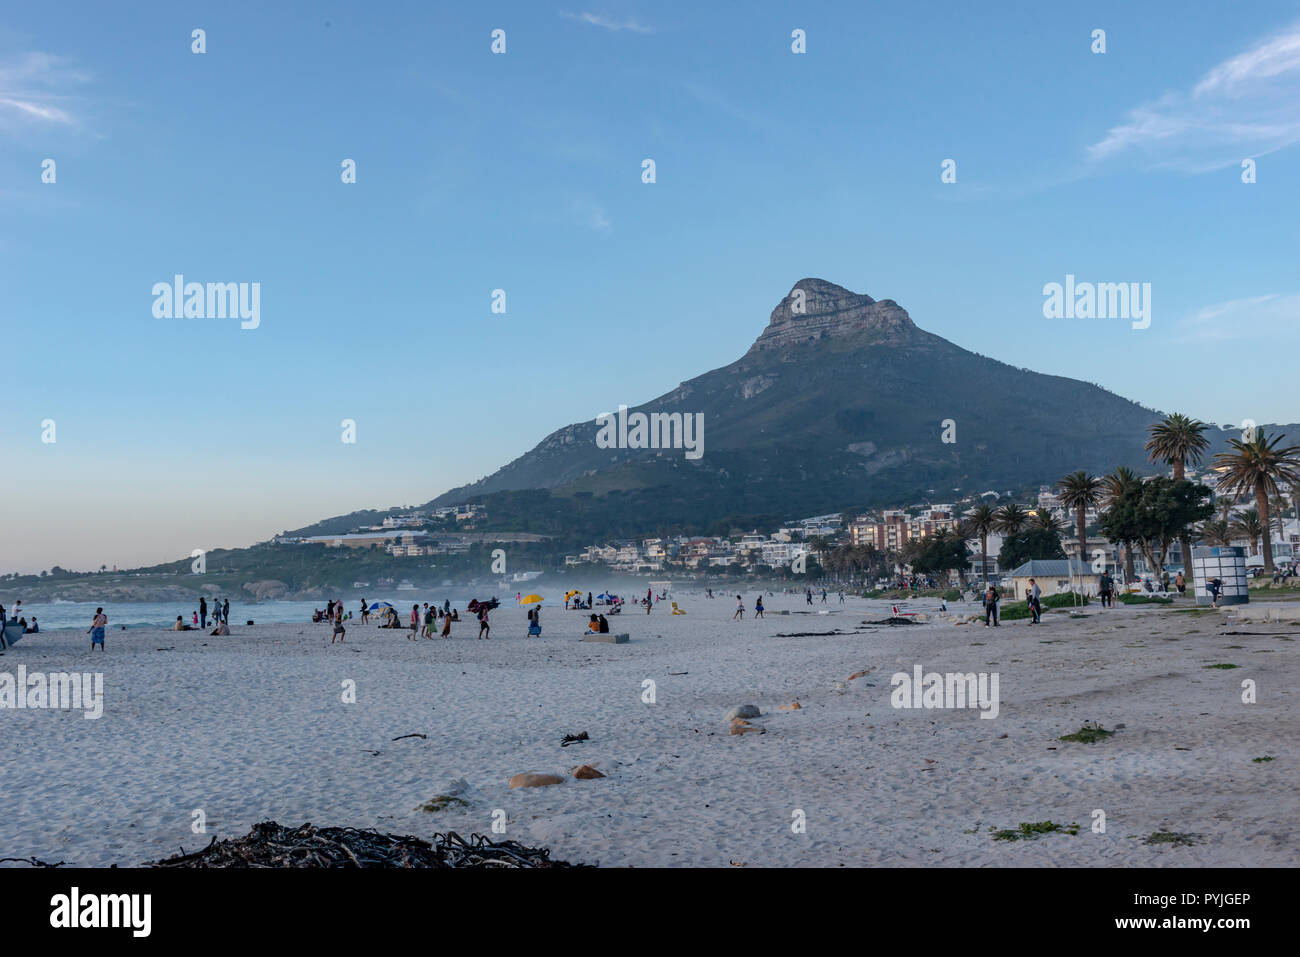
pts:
[815, 309]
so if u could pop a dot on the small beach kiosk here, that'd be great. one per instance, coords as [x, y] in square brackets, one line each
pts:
[1227, 563]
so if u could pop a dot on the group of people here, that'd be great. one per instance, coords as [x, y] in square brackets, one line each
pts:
[808, 596]
[740, 607]
[914, 582]
[576, 602]
[17, 619]
[423, 620]
[1282, 571]
[199, 620]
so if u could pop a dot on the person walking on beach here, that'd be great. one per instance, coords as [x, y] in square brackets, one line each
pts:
[365, 612]
[483, 625]
[758, 607]
[339, 631]
[823, 596]
[649, 600]
[415, 621]
[97, 629]
[446, 626]
[1035, 606]
[991, 606]
[740, 609]
[203, 611]
[807, 592]
[225, 612]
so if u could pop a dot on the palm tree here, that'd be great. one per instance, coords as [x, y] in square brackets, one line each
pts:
[1117, 482]
[1012, 519]
[1215, 532]
[1258, 466]
[1278, 507]
[1113, 486]
[1080, 491]
[981, 520]
[1177, 441]
[1047, 522]
[1246, 525]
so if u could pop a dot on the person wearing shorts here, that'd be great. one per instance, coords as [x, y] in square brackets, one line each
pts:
[97, 629]
[339, 631]
[740, 608]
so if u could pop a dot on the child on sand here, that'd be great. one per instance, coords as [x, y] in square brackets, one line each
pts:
[740, 609]
[758, 607]
[339, 631]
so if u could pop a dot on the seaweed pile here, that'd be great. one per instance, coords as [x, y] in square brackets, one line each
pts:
[273, 845]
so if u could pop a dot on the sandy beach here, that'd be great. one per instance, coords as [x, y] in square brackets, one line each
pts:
[254, 727]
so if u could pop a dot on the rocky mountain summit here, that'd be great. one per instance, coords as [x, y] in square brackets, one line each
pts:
[816, 310]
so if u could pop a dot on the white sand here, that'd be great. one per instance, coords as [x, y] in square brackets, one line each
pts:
[252, 727]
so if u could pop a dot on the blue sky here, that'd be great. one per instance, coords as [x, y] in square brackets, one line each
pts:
[522, 172]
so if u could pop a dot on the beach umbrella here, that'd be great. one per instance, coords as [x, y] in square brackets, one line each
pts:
[606, 597]
[530, 599]
[570, 594]
[380, 604]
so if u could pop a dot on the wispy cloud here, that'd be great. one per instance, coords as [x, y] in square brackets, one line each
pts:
[608, 23]
[1251, 318]
[1246, 106]
[36, 91]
